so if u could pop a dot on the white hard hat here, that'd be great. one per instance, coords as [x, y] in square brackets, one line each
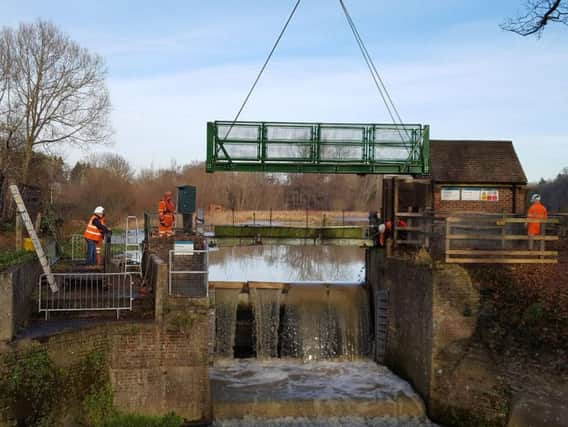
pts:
[99, 210]
[382, 228]
[535, 197]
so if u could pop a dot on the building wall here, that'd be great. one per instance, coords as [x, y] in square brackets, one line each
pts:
[504, 205]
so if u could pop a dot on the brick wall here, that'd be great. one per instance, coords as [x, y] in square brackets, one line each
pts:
[431, 342]
[409, 337]
[503, 205]
[153, 369]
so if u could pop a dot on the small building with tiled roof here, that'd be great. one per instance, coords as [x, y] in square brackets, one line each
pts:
[476, 176]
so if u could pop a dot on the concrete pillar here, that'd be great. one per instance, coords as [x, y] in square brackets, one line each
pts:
[6, 307]
[160, 287]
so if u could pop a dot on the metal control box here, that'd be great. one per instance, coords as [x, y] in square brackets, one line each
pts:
[186, 198]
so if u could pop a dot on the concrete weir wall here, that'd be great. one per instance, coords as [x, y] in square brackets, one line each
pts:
[432, 318]
[17, 284]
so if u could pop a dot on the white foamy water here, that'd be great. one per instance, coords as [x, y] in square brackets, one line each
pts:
[328, 422]
[288, 379]
[284, 392]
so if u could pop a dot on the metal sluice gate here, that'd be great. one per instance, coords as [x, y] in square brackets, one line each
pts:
[318, 148]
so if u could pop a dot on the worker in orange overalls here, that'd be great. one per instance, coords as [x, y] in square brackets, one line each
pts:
[100, 242]
[537, 211]
[94, 234]
[166, 216]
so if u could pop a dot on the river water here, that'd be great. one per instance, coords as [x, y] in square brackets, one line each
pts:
[281, 263]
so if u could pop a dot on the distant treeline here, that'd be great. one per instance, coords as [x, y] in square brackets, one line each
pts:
[110, 181]
[554, 193]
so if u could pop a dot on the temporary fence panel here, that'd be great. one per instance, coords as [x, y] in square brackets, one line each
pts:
[86, 292]
[318, 147]
[502, 240]
[188, 273]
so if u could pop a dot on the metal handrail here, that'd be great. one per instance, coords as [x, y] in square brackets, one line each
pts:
[172, 271]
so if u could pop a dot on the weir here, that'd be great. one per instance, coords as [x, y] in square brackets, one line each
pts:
[310, 358]
[307, 321]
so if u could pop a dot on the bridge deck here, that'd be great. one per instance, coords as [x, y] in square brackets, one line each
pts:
[318, 148]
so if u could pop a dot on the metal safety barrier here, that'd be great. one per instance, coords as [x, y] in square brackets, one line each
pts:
[86, 292]
[188, 273]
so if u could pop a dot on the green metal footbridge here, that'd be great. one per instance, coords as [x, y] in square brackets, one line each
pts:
[318, 148]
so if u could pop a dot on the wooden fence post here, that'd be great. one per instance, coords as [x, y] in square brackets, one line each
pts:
[447, 238]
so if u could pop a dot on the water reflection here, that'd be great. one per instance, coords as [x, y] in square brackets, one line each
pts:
[287, 263]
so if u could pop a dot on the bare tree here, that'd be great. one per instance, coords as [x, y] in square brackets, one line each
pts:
[10, 114]
[537, 14]
[56, 90]
[113, 163]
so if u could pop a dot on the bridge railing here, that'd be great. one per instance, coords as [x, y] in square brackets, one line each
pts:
[502, 240]
[84, 292]
[317, 147]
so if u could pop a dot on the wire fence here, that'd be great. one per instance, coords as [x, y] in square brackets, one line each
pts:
[299, 218]
[86, 292]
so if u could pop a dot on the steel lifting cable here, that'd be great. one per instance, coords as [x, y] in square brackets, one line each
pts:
[263, 68]
[379, 83]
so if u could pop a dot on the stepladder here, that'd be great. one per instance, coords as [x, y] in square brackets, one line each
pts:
[132, 250]
[25, 217]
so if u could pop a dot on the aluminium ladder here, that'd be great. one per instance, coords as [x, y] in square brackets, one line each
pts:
[132, 253]
[33, 235]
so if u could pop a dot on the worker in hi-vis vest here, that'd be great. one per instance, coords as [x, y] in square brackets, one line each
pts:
[94, 234]
[100, 242]
[536, 211]
[166, 210]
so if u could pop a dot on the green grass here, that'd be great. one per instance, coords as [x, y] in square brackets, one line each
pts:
[13, 257]
[131, 420]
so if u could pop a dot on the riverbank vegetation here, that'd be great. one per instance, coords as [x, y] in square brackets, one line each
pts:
[34, 391]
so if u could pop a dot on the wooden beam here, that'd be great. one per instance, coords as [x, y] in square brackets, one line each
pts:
[266, 285]
[498, 219]
[501, 261]
[227, 285]
[497, 252]
[499, 237]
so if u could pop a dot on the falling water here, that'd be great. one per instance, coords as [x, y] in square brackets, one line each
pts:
[266, 309]
[323, 321]
[226, 302]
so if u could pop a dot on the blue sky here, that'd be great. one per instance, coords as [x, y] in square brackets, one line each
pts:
[174, 65]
